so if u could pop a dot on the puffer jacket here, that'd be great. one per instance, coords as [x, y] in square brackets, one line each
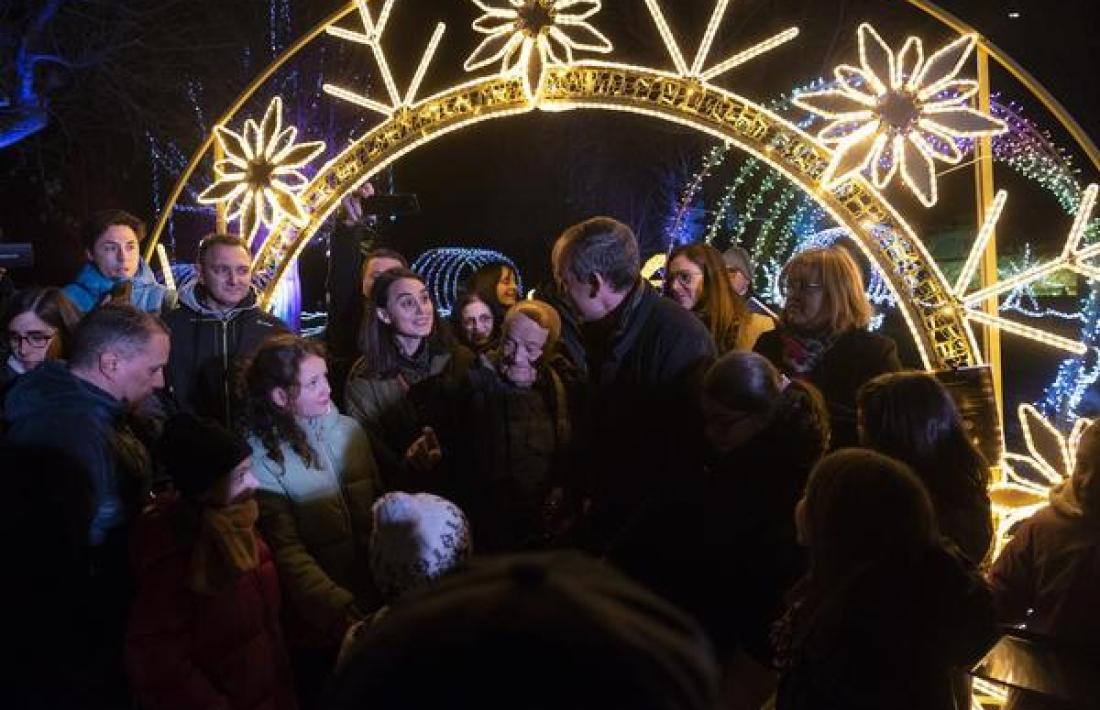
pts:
[318, 523]
[92, 286]
[208, 347]
[186, 651]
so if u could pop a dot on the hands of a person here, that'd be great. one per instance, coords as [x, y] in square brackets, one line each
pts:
[425, 453]
[353, 207]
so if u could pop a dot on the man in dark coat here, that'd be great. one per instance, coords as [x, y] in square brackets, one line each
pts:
[217, 325]
[83, 411]
[644, 358]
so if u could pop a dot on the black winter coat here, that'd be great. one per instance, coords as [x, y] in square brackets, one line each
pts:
[856, 357]
[505, 448]
[897, 634]
[724, 549]
[641, 417]
[208, 348]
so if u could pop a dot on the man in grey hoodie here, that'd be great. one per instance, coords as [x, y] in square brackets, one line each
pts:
[217, 325]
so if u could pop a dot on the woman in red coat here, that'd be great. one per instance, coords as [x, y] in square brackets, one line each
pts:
[204, 631]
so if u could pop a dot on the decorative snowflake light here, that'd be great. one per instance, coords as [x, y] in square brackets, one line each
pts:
[259, 179]
[1028, 479]
[899, 113]
[1074, 258]
[531, 34]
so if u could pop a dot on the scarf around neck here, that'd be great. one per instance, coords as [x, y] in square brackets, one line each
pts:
[226, 547]
[802, 353]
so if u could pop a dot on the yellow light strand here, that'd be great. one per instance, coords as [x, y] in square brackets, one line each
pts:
[666, 37]
[349, 35]
[1025, 331]
[984, 234]
[166, 267]
[365, 16]
[708, 36]
[1080, 221]
[358, 99]
[425, 60]
[1028, 415]
[751, 53]
[383, 18]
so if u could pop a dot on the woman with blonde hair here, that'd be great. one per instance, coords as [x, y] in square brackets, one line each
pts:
[697, 280]
[823, 338]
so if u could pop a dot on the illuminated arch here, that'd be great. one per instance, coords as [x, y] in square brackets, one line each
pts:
[932, 308]
[942, 335]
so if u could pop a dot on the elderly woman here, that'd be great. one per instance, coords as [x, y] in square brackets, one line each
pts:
[508, 430]
[822, 336]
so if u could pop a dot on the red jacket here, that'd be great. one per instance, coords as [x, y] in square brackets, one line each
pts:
[190, 651]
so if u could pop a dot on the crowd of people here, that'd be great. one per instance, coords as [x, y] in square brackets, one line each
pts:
[602, 495]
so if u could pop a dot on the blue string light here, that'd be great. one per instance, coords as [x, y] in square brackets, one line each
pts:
[445, 268]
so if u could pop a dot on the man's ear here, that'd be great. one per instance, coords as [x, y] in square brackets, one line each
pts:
[383, 315]
[88, 255]
[280, 398]
[108, 364]
[595, 283]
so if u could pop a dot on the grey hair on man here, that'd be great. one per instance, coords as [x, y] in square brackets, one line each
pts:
[600, 245]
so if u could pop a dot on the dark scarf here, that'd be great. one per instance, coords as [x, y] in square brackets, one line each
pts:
[803, 352]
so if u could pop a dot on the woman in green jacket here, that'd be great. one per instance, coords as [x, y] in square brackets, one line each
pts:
[400, 351]
[317, 482]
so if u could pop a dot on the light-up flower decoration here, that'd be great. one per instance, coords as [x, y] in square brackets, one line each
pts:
[532, 34]
[259, 180]
[899, 113]
[1028, 479]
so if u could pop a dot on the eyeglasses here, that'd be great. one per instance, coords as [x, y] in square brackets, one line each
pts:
[685, 278]
[36, 339]
[793, 285]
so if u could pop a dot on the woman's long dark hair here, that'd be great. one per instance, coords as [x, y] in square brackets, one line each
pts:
[380, 356]
[465, 299]
[53, 307]
[483, 284]
[911, 417]
[860, 508]
[276, 365]
[722, 309]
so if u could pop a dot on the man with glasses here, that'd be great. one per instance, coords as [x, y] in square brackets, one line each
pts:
[218, 324]
[644, 357]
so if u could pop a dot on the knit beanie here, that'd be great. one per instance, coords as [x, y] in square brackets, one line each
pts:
[550, 631]
[415, 539]
[198, 452]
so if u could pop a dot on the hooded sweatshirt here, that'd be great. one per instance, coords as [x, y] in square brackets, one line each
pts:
[50, 406]
[1048, 575]
[92, 286]
[208, 346]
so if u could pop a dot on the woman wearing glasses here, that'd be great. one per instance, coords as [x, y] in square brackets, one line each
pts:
[823, 338]
[697, 280]
[37, 325]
